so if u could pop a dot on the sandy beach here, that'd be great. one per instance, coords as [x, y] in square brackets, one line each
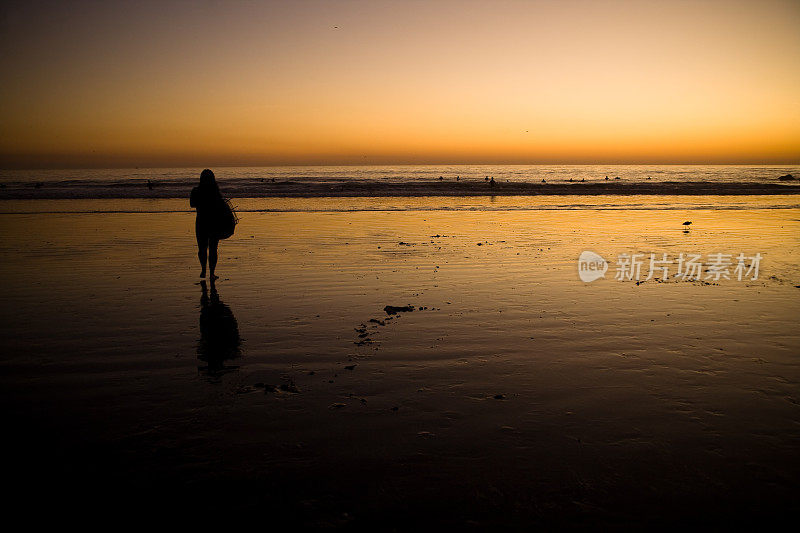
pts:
[513, 395]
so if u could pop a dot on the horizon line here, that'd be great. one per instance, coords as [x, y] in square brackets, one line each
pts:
[384, 164]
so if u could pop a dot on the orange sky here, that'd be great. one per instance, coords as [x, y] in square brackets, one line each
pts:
[216, 83]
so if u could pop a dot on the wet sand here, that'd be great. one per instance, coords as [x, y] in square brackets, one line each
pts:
[518, 397]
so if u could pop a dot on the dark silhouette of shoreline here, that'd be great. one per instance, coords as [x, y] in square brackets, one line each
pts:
[363, 188]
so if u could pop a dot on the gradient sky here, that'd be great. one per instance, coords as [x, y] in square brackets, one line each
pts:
[326, 82]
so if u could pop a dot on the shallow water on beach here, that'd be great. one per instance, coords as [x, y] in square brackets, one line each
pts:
[519, 390]
[411, 203]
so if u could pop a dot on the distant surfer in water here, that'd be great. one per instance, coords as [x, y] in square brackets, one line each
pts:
[206, 199]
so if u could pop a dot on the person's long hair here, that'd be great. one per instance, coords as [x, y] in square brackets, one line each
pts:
[208, 183]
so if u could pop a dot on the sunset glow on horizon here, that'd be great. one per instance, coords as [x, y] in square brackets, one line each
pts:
[218, 83]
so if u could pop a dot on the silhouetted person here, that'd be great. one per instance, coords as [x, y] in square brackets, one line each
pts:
[219, 333]
[491, 182]
[206, 199]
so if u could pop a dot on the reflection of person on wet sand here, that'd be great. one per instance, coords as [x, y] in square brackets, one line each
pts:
[219, 333]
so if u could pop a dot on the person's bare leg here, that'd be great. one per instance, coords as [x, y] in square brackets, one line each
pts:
[201, 254]
[212, 256]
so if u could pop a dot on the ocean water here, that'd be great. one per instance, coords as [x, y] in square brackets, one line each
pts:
[412, 173]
